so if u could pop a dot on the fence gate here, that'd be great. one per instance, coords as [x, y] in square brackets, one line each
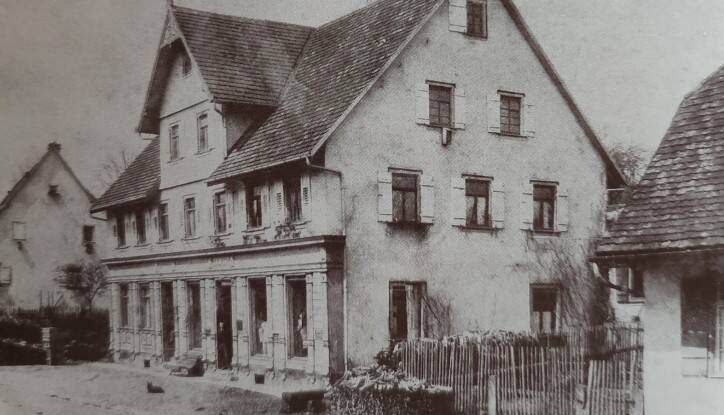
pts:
[591, 371]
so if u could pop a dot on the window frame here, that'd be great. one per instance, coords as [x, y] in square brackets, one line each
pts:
[291, 320]
[488, 200]
[254, 336]
[635, 295]
[186, 65]
[292, 198]
[504, 96]
[419, 288]
[220, 228]
[190, 233]
[87, 240]
[164, 231]
[254, 222]
[141, 234]
[450, 88]
[174, 141]
[554, 207]
[202, 130]
[409, 174]
[483, 7]
[555, 320]
[144, 307]
[121, 237]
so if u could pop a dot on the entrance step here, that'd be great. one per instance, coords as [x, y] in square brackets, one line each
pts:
[189, 364]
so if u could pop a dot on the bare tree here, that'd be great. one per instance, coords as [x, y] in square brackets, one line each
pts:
[112, 167]
[631, 159]
[85, 280]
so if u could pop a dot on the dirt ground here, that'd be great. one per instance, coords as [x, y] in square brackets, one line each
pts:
[95, 389]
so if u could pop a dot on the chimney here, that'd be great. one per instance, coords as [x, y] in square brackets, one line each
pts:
[54, 147]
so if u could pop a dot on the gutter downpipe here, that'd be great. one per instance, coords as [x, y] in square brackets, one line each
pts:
[344, 279]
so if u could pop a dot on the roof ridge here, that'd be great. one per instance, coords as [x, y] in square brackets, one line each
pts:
[236, 17]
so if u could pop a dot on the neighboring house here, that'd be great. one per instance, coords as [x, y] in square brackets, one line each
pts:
[670, 234]
[44, 223]
[316, 194]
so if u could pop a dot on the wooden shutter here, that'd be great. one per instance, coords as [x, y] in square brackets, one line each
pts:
[229, 205]
[427, 199]
[384, 196]
[497, 204]
[278, 201]
[458, 16]
[526, 207]
[266, 210]
[494, 113]
[529, 120]
[562, 214]
[457, 201]
[306, 196]
[240, 216]
[459, 104]
[422, 104]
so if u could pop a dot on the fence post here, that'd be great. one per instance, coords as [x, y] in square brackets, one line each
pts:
[48, 340]
[492, 401]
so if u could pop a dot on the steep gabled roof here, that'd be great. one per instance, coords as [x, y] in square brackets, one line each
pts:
[138, 182]
[679, 204]
[340, 63]
[53, 150]
[338, 66]
[240, 60]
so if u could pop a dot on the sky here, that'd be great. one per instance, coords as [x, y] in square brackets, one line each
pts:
[76, 71]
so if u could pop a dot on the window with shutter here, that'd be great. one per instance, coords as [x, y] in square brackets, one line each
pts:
[384, 196]
[510, 114]
[440, 106]
[477, 19]
[544, 205]
[477, 203]
[404, 198]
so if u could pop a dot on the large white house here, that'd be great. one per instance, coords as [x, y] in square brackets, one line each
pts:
[313, 194]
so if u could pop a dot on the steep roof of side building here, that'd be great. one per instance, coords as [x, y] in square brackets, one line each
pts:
[140, 180]
[679, 203]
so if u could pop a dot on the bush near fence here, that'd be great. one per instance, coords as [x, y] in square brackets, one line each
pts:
[15, 353]
[85, 334]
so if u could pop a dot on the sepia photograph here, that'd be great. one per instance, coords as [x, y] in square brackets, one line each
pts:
[353, 207]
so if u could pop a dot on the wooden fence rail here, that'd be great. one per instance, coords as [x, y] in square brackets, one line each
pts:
[592, 369]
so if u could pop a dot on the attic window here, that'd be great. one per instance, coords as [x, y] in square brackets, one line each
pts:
[185, 65]
[53, 190]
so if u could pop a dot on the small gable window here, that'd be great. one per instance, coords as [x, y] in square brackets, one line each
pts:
[477, 194]
[544, 205]
[440, 105]
[511, 114]
[202, 123]
[185, 65]
[477, 18]
[173, 138]
[510, 106]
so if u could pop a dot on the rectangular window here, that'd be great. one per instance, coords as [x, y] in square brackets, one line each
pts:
[173, 144]
[297, 307]
[698, 324]
[189, 217]
[440, 106]
[254, 206]
[144, 298]
[510, 108]
[544, 203]
[202, 124]
[477, 200]
[404, 197]
[544, 309]
[124, 305]
[19, 231]
[120, 230]
[636, 283]
[163, 230]
[220, 212]
[405, 313]
[88, 231]
[259, 330]
[140, 226]
[477, 18]
[292, 198]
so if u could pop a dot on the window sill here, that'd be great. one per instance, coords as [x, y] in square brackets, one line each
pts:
[544, 233]
[164, 241]
[476, 36]
[481, 228]
[122, 247]
[634, 301]
[512, 135]
[257, 230]
[408, 224]
[176, 160]
[190, 238]
[143, 245]
[204, 152]
[221, 235]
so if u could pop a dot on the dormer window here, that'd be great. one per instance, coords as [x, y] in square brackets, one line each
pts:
[53, 190]
[185, 65]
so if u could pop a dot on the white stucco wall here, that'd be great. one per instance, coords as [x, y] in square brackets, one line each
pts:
[484, 275]
[54, 229]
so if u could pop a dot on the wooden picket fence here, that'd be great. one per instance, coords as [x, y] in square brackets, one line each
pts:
[595, 371]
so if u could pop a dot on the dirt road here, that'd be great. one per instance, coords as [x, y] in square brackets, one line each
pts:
[93, 390]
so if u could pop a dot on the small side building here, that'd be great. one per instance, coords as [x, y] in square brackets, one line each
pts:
[44, 224]
[671, 234]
